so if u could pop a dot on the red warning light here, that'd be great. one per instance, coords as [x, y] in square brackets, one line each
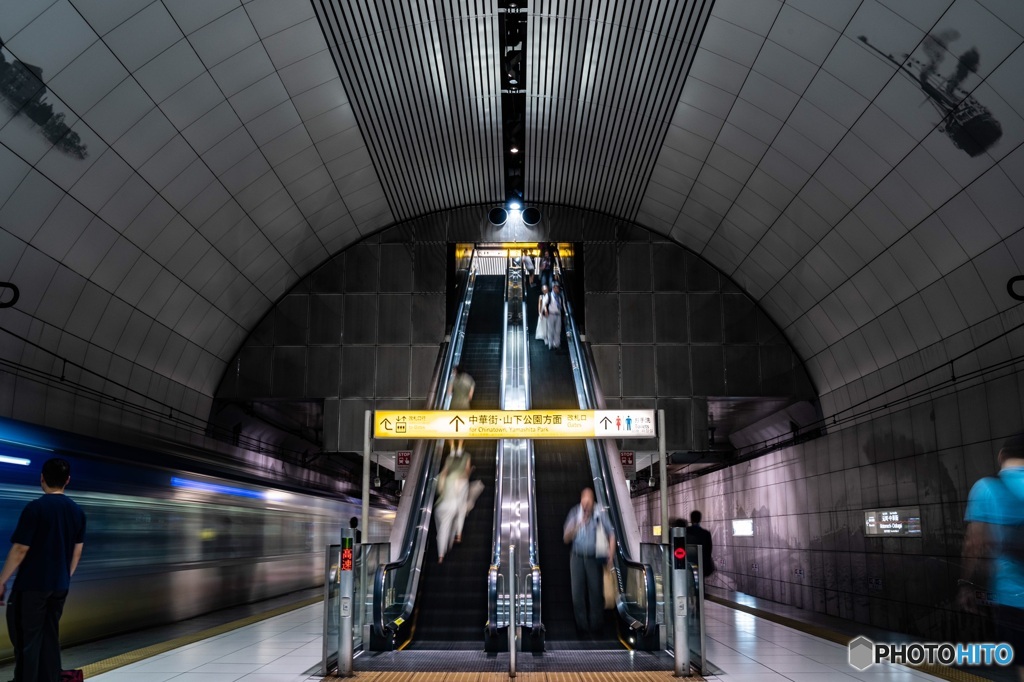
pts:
[679, 553]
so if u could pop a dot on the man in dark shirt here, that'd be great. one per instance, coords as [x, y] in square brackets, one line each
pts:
[698, 535]
[47, 545]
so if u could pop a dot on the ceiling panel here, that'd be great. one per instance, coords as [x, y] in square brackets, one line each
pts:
[178, 165]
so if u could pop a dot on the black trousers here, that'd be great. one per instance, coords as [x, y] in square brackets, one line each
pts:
[33, 622]
[587, 575]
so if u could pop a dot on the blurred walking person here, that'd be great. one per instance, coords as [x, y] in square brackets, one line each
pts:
[543, 301]
[460, 387]
[452, 502]
[46, 548]
[589, 532]
[995, 528]
[553, 331]
[547, 269]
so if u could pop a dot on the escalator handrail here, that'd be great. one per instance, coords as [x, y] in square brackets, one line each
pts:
[534, 548]
[494, 570]
[422, 507]
[598, 451]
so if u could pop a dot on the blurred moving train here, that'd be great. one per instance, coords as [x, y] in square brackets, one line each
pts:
[164, 544]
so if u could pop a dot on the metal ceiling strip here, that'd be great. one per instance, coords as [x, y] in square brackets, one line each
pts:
[347, 59]
[666, 88]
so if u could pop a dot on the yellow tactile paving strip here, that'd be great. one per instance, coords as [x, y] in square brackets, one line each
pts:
[656, 676]
[115, 662]
[952, 674]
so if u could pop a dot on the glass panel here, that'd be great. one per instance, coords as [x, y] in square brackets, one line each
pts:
[695, 612]
[655, 556]
[332, 606]
[368, 558]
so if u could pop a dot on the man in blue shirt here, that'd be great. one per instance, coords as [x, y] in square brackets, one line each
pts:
[47, 545]
[995, 527]
[589, 557]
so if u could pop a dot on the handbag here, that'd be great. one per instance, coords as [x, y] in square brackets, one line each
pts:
[611, 587]
[600, 541]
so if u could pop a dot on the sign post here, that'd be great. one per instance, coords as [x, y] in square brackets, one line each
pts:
[367, 437]
[348, 557]
[682, 576]
[663, 474]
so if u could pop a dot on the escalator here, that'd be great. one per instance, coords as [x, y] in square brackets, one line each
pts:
[562, 471]
[451, 607]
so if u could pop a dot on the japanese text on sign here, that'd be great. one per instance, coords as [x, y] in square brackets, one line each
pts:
[403, 459]
[346, 554]
[905, 522]
[514, 424]
[628, 460]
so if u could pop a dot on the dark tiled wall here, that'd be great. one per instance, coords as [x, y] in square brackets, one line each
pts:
[366, 325]
[667, 330]
[808, 503]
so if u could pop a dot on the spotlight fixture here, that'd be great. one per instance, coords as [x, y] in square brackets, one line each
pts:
[497, 216]
[514, 205]
[514, 149]
[531, 216]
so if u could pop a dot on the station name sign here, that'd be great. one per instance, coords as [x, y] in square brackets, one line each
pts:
[492, 424]
[903, 522]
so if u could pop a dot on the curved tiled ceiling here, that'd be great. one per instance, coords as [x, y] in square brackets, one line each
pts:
[187, 162]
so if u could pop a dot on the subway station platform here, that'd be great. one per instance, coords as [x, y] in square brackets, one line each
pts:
[742, 647]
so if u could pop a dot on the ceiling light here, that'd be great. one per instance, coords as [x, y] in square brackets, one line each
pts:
[514, 205]
[514, 150]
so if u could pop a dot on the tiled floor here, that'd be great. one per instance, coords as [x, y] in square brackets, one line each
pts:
[285, 649]
[280, 649]
[750, 649]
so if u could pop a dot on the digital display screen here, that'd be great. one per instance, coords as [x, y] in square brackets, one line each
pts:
[742, 528]
[903, 522]
[346, 554]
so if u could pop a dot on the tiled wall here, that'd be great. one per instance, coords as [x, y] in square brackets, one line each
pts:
[807, 502]
[668, 330]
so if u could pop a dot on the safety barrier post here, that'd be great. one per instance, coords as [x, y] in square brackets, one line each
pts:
[681, 579]
[345, 602]
[367, 439]
[663, 475]
[512, 591]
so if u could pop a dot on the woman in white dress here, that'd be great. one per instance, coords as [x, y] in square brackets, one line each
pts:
[542, 314]
[553, 336]
[452, 501]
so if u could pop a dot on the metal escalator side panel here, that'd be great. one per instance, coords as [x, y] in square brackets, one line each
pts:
[404, 570]
[640, 610]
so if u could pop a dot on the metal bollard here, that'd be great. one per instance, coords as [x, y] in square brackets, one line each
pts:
[681, 578]
[345, 603]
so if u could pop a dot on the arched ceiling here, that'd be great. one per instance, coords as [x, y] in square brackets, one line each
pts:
[169, 168]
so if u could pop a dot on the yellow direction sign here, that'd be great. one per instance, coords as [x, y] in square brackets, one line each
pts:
[491, 424]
